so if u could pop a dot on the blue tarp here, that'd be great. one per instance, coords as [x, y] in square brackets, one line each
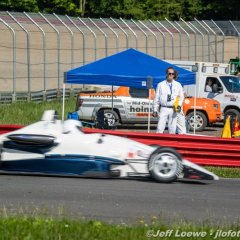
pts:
[128, 68]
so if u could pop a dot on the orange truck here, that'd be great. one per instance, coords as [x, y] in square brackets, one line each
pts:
[128, 105]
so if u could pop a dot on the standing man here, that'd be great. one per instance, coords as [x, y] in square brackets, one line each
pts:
[181, 120]
[166, 93]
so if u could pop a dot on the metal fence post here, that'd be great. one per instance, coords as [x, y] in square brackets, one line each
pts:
[144, 33]
[180, 36]
[58, 48]
[83, 37]
[105, 35]
[188, 37]
[135, 35]
[215, 35]
[208, 37]
[44, 54]
[14, 58]
[170, 35]
[72, 45]
[163, 38]
[238, 37]
[223, 38]
[72, 38]
[94, 36]
[195, 34]
[156, 38]
[28, 54]
[116, 35]
[125, 33]
[198, 31]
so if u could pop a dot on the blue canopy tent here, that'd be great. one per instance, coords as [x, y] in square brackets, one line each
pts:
[128, 68]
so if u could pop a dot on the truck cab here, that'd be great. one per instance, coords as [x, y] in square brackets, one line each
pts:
[225, 87]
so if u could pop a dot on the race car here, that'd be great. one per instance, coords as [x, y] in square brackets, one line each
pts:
[56, 147]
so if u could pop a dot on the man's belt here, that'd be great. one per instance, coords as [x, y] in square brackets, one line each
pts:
[167, 106]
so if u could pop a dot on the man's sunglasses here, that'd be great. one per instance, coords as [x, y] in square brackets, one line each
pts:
[170, 73]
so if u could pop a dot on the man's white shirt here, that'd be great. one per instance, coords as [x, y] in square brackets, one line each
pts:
[164, 89]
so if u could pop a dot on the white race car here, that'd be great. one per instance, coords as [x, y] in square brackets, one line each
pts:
[51, 146]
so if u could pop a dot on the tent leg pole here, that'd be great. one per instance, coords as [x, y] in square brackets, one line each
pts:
[112, 103]
[195, 103]
[63, 103]
[149, 110]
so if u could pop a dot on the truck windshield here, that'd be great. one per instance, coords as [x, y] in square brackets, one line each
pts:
[232, 83]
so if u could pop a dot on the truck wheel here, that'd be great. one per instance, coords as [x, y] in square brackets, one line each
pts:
[165, 165]
[201, 121]
[107, 119]
[111, 117]
[232, 113]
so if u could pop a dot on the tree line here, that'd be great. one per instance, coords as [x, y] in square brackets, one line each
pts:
[135, 9]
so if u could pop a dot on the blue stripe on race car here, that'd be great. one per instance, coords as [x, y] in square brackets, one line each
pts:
[63, 165]
[86, 157]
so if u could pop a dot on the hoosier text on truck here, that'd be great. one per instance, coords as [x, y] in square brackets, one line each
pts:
[129, 105]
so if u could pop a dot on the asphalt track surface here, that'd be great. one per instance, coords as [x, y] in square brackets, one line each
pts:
[121, 200]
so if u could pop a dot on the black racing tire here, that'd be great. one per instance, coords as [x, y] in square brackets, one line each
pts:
[201, 121]
[165, 165]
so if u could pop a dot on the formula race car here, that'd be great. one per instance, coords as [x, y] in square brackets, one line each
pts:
[54, 147]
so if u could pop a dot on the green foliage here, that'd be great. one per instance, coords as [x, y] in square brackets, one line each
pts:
[225, 172]
[103, 8]
[59, 7]
[19, 6]
[136, 9]
[221, 10]
[23, 227]
[22, 113]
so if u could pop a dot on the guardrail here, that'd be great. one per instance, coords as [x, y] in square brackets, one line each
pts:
[210, 151]
[38, 96]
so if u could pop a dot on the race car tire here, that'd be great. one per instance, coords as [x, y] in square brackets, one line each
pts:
[201, 121]
[165, 165]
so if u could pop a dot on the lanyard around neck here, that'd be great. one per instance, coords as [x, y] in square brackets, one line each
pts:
[170, 86]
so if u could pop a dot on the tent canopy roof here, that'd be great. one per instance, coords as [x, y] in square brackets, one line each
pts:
[128, 68]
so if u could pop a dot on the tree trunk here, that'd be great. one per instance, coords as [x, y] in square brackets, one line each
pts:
[82, 4]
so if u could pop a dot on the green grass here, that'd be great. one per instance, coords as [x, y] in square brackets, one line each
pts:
[16, 228]
[24, 113]
[225, 172]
